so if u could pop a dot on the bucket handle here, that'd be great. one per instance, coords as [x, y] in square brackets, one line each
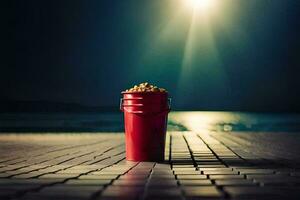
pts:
[122, 108]
[169, 103]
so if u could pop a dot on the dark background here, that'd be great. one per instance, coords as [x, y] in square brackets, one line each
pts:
[63, 54]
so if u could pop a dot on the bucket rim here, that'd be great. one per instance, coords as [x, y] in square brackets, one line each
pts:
[158, 92]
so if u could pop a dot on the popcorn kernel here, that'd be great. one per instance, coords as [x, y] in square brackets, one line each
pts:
[145, 87]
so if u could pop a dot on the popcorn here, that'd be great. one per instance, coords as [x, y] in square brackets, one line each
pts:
[146, 87]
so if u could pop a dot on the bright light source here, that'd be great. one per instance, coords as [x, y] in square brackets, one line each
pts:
[200, 4]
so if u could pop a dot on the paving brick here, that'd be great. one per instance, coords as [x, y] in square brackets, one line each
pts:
[228, 182]
[65, 176]
[35, 181]
[195, 182]
[99, 177]
[204, 164]
[163, 177]
[223, 169]
[178, 169]
[61, 188]
[200, 166]
[171, 193]
[134, 176]
[206, 160]
[202, 192]
[226, 176]
[164, 172]
[5, 175]
[219, 172]
[107, 173]
[129, 182]
[79, 170]
[188, 172]
[138, 172]
[182, 166]
[89, 167]
[29, 175]
[162, 183]
[74, 171]
[121, 191]
[87, 182]
[256, 171]
[194, 176]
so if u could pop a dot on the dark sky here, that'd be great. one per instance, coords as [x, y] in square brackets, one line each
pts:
[88, 51]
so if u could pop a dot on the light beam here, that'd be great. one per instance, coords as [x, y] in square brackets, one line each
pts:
[200, 4]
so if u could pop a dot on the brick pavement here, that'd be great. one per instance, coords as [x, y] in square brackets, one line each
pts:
[204, 165]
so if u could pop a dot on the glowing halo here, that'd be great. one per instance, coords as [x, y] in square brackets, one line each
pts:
[200, 4]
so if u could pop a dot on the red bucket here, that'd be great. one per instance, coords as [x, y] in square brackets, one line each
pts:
[145, 116]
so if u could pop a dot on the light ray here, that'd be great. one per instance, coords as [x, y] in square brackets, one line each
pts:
[186, 28]
[202, 5]
[201, 57]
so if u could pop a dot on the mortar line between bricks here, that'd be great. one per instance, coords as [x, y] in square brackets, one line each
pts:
[31, 154]
[56, 164]
[99, 142]
[143, 197]
[212, 150]
[1, 162]
[80, 178]
[98, 194]
[269, 161]
[175, 176]
[31, 170]
[45, 168]
[101, 160]
[228, 148]
[34, 152]
[37, 163]
[75, 164]
[251, 164]
[76, 146]
[85, 172]
[237, 139]
[38, 170]
[111, 148]
[68, 148]
[226, 195]
[232, 138]
[190, 151]
[65, 180]
[43, 154]
[91, 160]
[103, 154]
[170, 152]
[117, 154]
[20, 194]
[15, 162]
[44, 160]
